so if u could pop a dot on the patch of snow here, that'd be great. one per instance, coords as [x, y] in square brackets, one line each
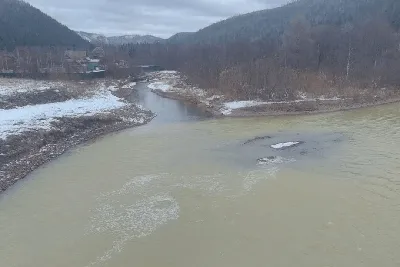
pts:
[16, 86]
[302, 95]
[129, 85]
[162, 86]
[214, 97]
[285, 145]
[164, 76]
[197, 91]
[169, 72]
[86, 38]
[240, 104]
[323, 98]
[140, 119]
[230, 106]
[18, 120]
[113, 88]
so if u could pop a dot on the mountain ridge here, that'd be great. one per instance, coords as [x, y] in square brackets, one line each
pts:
[101, 39]
[21, 24]
[271, 23]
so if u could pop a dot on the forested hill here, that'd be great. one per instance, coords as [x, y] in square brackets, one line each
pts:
[271, 23]
[24, 25]
[315, 46]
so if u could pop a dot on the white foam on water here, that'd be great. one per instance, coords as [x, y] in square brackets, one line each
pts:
[254, 177]
[132, 186]
[209, 184]
[275, 160]
[127, 222]
[269, 167]
[155, 206]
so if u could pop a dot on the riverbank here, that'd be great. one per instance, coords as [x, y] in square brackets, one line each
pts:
[172, 85]
[41, 120]
[129, 195]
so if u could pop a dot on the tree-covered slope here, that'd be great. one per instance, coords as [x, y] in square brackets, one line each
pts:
[272, 22]
[24, 25]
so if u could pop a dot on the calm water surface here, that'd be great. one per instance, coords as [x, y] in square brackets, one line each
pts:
[183, 191]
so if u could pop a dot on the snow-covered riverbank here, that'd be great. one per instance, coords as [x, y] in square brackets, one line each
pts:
[172, 84]
[42, 119]
[39, 117]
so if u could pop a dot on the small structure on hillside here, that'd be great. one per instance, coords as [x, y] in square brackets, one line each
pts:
[92, 64]
[78, 62]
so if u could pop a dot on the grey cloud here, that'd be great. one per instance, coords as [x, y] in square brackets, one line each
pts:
[157, 17]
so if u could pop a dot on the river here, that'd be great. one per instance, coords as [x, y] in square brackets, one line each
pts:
[188, 191]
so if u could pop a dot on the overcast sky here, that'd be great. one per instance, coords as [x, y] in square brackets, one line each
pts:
[161, 18]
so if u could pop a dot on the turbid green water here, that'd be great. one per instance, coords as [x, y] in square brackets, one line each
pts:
[192, 194]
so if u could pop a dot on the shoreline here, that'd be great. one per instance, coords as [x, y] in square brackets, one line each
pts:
[171, 84]
[21, 167]
[24, 152]
[277, 109]
[189, 100]
[30, 150]
[244, 114]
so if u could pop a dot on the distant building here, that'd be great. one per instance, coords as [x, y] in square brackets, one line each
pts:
[93, 64]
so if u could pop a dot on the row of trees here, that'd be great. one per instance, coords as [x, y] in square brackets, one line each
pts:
[30, 61]
[304, 57]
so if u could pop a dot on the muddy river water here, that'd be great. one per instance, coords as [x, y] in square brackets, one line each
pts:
[188, 191]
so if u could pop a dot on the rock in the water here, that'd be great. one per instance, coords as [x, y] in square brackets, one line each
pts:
[258, 138]
[267, 159]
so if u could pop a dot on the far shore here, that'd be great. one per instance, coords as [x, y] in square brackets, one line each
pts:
[171, 84]
[279, 109]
